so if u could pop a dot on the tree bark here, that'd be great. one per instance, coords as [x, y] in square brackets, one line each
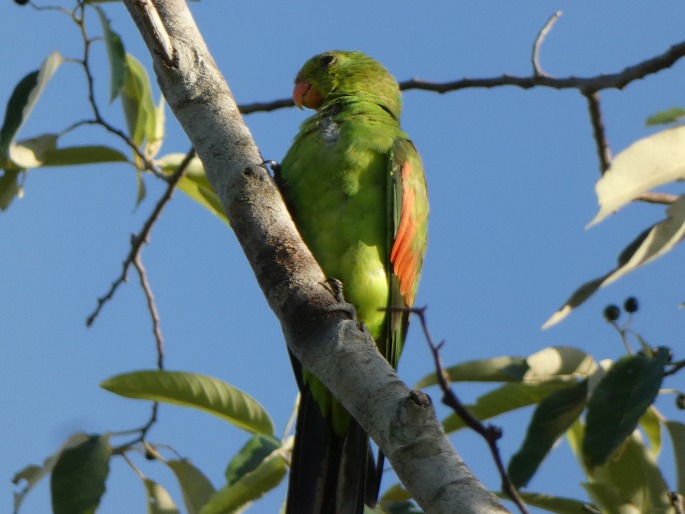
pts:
[325, 340]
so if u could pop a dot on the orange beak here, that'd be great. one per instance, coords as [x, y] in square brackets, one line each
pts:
[305, 95]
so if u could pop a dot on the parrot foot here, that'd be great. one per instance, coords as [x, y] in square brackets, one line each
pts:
[335, 287]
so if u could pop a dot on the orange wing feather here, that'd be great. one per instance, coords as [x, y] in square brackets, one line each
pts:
[404, 255]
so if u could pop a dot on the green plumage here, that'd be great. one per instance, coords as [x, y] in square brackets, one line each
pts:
[354, 183]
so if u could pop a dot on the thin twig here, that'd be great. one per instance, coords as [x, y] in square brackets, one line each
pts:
[598, 131]
[489, 432]
[617, 80]
[99, 119]
[537, 68]
[138, 240]
[152, 307]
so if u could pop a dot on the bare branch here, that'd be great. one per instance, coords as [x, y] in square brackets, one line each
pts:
[152, 307]
[537, 68]
[586, 85]
[598, 131]
[490, 433]
[138, 240]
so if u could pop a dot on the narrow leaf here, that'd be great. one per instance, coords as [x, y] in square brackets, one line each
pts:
[650, 244]
[651, 425]
[496, 369]
[555, 504]
[552, 418]
[78, 478]
[75, 155]
[195, 487]
[10, 187]
[671, 115]
[618, 402]
[136, 98]
[24, 98]
[158, 499]
[156, 135]
[250, 456]
[250, 487]
[115, 53]
[677, 432]
[646, 164]
[193, 390]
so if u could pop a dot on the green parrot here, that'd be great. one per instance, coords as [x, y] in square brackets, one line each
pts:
[354, 185]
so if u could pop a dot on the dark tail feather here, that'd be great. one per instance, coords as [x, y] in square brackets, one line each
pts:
[328, 472]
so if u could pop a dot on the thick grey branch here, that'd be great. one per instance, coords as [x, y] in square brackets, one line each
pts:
[401, 422]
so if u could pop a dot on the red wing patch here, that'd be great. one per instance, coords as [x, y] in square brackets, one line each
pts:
[404, 255]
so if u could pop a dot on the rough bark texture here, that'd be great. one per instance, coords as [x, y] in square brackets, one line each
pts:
[344, 357]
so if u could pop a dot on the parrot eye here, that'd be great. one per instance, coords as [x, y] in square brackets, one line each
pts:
[326, 60]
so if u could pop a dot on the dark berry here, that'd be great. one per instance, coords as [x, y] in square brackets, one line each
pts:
[630, 305]
[680, 401]
[21, 2]
[611, 312]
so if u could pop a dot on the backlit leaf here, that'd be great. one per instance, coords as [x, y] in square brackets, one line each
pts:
[23, 99]
[650, 162]
[650, 244]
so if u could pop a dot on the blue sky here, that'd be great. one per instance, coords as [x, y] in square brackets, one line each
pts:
[511, 178]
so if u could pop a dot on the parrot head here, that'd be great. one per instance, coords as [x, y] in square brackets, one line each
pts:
[336, 74]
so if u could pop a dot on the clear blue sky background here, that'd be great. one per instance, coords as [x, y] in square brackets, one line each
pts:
[510, 175]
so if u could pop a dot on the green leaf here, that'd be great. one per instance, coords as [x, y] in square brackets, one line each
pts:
[75, 155]
[555, 504]
[651, 425]
[646, 164]
[394, 507]
[250, 486]
[116, 54]
[250, 456]
[194, 183]
[649, 245]
[156, 137]
[10, 187]
[30, 153]
[396, 493]
[195, 487]
[24, 97]
[618, 402]
[33, 474]
[140, 188]
[677, 432]
[193, 390]
[158, 499]
[630, 482]
[672, 115]
[552, 418]
[78, 478]
[496, 369]
[509, 397]
[136, 98]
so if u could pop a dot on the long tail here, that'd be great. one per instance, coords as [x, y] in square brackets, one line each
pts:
[329, 473]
